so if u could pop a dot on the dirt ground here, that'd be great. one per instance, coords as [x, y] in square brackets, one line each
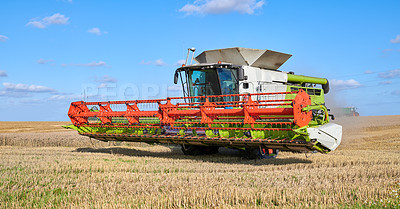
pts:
[44, 165]
[31, 126]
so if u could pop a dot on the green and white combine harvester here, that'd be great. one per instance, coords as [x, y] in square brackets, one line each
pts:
[233, 97]
[345, 111]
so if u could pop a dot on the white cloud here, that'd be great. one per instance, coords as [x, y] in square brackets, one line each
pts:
[385, 82]
[3, 73]
[43, 61]
[396, 92]
[96, 31]
[344, 84]
[396, 40]
[387, 50]
[3, 38]
[106, 79]
[390, 50]
[56, 19]
[68, 1]
[222, 6]
[158, 62]
[91, 64]
[175, 87]
[23, 90]
[180, 62]
[27, 88]
[36, 24]
[146, 63]
[65, 97]
[31, 102]
[94, 64]
[390, 74]
[368, 72]
[102, 86]
[111, 85]
[57, 97]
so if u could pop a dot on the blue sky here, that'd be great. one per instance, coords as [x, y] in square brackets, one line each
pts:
[53, 52]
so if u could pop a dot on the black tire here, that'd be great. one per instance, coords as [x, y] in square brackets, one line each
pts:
[211, 150]
[260, 153]
[199, 150]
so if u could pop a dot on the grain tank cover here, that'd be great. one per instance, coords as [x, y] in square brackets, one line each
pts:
[266, 59]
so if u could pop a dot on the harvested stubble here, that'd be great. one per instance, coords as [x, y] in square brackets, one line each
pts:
[72, 172]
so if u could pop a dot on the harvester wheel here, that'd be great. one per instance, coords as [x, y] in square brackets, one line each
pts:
[199, 150]
[260, 153]
[210, 150]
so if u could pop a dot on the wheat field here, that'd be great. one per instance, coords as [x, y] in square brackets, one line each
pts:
[42, 165]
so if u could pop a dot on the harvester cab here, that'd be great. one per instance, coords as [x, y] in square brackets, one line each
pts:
[233, 97]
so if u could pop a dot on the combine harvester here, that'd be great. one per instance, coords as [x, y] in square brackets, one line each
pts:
[233, 97]
[345, 112]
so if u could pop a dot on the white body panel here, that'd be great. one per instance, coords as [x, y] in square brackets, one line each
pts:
[329, 135]
[263, 81]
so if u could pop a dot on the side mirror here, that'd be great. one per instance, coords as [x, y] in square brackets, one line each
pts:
[325, 87]
[176, 76]
[241, 75]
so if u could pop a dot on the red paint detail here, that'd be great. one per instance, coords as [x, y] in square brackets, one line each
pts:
[246, 110]
[301, 118]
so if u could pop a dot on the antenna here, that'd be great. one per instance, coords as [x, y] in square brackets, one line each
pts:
[193, 50]
[187, 56]
[84, 95]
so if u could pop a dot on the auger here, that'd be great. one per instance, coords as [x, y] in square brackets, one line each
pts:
[233, 97]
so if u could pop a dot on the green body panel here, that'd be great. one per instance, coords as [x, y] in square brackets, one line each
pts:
[306, 79]
[317, 95]
[117, 134]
